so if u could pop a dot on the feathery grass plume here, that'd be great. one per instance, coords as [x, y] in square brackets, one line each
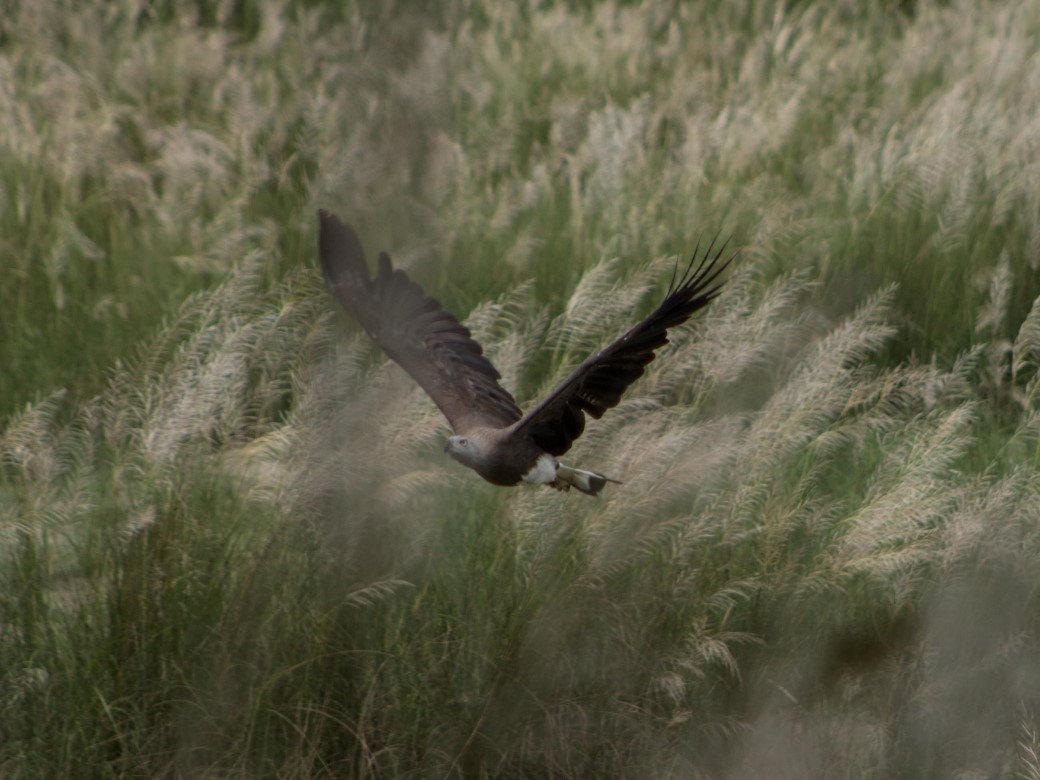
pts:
[818, 391]
[34, 472]
[1026, 351]
[590, 319]
[1029, 752]
[724, 351]
[908, 496]
[991, 316]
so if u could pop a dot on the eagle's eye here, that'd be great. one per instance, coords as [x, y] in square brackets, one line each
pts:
[463, 442]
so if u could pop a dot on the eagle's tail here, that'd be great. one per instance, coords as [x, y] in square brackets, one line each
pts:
[586, 481]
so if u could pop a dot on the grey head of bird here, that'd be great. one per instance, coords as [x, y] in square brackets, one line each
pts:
[467, 450]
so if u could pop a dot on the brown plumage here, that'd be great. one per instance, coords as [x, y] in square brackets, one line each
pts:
[493, 436]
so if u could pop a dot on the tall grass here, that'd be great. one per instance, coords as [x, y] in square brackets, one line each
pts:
[231, 545]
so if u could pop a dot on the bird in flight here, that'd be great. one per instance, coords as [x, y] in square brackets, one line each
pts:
[492, 435]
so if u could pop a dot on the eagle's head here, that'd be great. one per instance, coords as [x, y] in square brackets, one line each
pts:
[466, 450]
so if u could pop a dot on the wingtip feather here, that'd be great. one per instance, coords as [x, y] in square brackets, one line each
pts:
[340, 250]
[697, 285]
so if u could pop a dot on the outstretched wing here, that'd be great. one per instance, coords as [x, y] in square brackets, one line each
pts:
[416, 331]
[598, 383]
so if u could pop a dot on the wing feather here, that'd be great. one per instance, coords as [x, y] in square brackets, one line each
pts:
[415, 331]
[598, 383]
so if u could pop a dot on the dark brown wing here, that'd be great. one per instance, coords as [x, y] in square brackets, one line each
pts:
[423, 338]
[598, 383]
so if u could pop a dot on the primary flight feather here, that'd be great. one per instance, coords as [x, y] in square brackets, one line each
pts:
[492, 435]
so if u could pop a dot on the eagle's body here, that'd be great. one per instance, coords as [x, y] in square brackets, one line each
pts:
[502, 459]
[493, 436]
[491, 453]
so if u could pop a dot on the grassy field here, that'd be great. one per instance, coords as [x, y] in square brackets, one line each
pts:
[231, 546]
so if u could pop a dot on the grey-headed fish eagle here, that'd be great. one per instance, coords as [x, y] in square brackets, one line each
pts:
[492, 435]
